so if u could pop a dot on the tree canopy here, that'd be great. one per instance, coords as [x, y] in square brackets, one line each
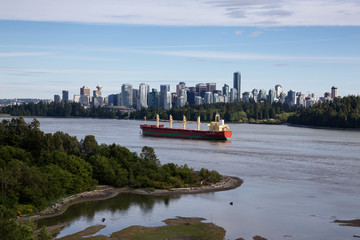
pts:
[339, 113]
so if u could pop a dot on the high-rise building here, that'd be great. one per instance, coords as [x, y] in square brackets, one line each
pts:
[282, 97]
[97, 99]
[201, 89]
[278, 90]
[84, 96]
[153, 98]
[208, 97]
[190, 95]
[291, 98]
[181, 101]
[211, 87]
[165, 96]
[65, 96]
[246, 97]
[255, 94]
[237, 84]
[85, 91]
[300, 99]
[334, 92]
[226, 90]
[57, 98]
[126, 95]
[198, 100]
[76, 98]
[114, 100]
[183, 93]
[233, 95]
[142, 96]
[168, 102]
[180, 86]
[97, 93]
[135, 96]
[272, 95]
[262, 95]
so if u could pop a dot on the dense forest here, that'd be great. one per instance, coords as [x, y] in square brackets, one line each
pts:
[231, 112]
[54, 109]
[37, 168]
[339, 113]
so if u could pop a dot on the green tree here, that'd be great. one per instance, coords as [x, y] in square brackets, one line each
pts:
[148, 154]
[89, 145]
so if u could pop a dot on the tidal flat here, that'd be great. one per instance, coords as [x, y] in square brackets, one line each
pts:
[180, 228]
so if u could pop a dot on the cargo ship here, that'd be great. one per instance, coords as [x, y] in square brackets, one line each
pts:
[217, 130]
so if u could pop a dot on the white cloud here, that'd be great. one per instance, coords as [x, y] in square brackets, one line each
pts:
[238, 32]
[22, 54]
[30, 71]
[242, 56]
[188, 12]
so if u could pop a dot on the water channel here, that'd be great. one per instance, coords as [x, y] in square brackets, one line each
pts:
[297, 181]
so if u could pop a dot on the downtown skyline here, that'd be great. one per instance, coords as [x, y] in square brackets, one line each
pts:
[306, 46]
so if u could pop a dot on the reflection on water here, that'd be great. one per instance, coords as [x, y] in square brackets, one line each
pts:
[112, 209]
[296, 180]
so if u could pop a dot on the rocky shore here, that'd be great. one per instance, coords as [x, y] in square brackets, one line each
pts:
[227, 183]
[106, 192]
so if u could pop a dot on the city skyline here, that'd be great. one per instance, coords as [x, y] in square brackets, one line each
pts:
[305, 46]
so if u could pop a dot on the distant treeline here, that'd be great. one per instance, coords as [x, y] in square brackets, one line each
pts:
[54, 109]
[38, 168]
[339, 113]
[231, 112]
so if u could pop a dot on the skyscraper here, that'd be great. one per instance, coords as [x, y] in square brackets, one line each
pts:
[180, 86]
[201, 89]
[142, 96]
[153, 98]
[255, 94]
[85, 91]
[97, 93]
[165, 96]
[85, 96]
[225, 90]
[272, 95]
[126, 95]
[278, 90]
[291, 98]
[57, 98]
[65, 96]
[262, 95]
[246, 97]
[237, 84]
[334, 92]
[211, 87]
[233, 95]
[208, 97]
[135, 96]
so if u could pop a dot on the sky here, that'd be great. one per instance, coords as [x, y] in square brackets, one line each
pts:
[306, 46]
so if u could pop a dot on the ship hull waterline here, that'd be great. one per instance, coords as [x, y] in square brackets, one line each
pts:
[161, 131]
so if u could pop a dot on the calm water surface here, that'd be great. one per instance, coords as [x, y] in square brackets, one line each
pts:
[297, 181]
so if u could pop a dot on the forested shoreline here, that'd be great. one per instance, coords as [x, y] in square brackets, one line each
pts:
[338, 113]
[37, 168]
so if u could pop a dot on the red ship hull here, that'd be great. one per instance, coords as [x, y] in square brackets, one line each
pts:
[161, 131]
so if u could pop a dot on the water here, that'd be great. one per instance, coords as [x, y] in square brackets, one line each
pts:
[297, 181]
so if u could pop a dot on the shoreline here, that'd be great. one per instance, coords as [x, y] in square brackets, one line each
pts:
[106, 192]
[254, 123]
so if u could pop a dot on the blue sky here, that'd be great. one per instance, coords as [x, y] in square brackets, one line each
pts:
[49, 46]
